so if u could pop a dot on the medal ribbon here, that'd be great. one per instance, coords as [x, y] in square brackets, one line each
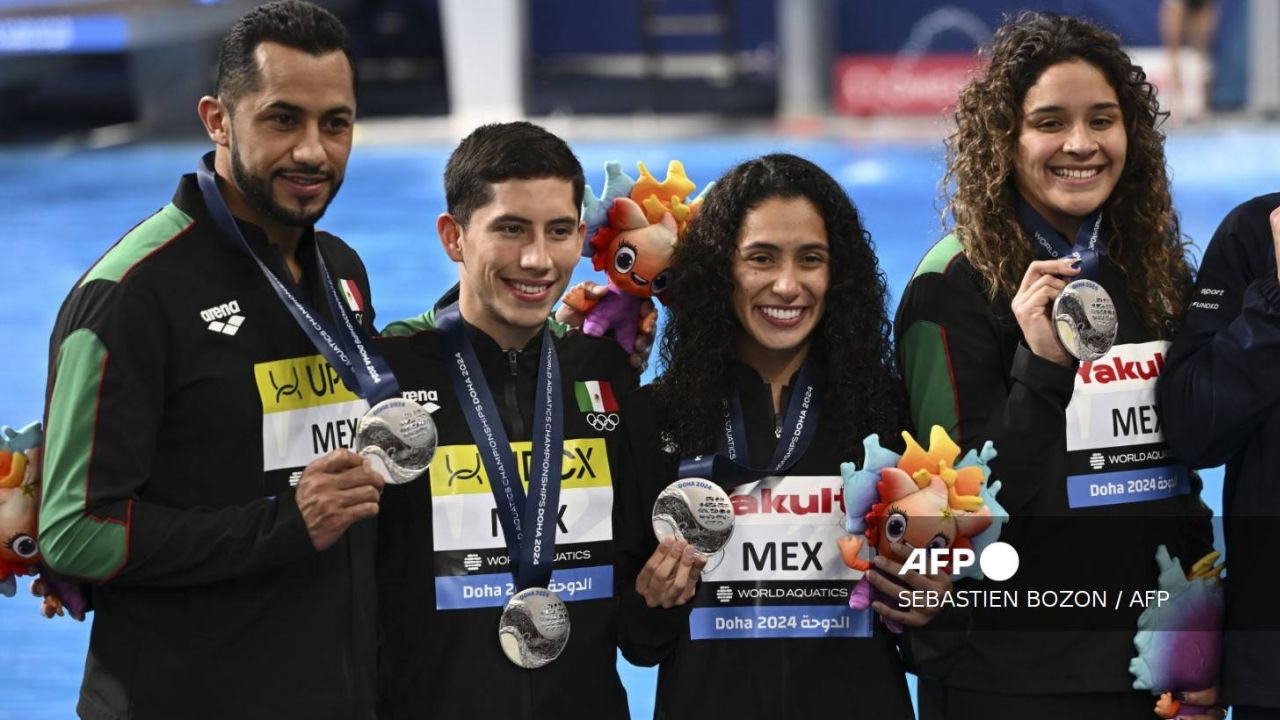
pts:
[371, 378]
[1090, 245]
[730, 465]
[528, 520]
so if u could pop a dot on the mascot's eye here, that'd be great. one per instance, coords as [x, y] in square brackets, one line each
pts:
[895, 527]
[938, 542]
[660, 283]
[624, 259]
[24, 546]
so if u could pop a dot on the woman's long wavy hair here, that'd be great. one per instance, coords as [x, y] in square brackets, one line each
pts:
[862, 392]
[1145, 240]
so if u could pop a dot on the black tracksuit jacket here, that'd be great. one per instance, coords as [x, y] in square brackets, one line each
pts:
[791, 572]
[443, 567]
[1221, 399]
[969, 370]
[183, 399]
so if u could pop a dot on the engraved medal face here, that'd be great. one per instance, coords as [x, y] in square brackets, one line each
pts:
[534, 628]
[400, 437]
[1084, 317]
[694, 510]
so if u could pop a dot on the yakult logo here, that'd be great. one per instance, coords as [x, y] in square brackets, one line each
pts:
[1120, 369]
[824, 501]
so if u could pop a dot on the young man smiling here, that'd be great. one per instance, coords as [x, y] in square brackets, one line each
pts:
[449, 559]
[233, 577]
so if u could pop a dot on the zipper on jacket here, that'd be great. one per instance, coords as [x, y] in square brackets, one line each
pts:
[510, 399]
[780, 415]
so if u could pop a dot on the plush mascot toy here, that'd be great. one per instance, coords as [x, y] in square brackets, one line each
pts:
[632, 229]
[19, 517]
[921, 499]
[1179, 639]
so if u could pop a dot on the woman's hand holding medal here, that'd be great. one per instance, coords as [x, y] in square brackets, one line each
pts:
[670, 577]
[1033, 306]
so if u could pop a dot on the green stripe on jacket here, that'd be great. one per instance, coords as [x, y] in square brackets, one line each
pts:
[932, 390]
[71, 541]
[939, 256]
[149, 235]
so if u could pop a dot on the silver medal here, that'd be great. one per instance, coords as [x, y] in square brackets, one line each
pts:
[713, 562]
[534, 627]
[1084, 318]
[696, 511]
[400, 437]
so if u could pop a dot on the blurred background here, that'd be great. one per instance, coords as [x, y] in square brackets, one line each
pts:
[97, 121]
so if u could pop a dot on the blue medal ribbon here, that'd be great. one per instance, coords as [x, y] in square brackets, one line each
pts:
[528, 520]
[730, 465]
[350, 352]
[1090, 242]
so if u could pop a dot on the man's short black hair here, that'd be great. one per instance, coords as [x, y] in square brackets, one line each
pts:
[292, 23]
[505, 151]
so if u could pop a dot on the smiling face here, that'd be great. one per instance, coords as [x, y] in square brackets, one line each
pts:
[1071, 145]
[517, 254]
[781, 270]
[284, 144]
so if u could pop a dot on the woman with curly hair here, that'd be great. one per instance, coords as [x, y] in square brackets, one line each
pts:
[1058, 187]
[775, 299]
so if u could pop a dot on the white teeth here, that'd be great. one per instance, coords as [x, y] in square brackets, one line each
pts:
[1071, 174]
[782, 314]
[529, 289]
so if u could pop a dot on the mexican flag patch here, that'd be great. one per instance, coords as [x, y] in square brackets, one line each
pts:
[351, 293]
[595, 396]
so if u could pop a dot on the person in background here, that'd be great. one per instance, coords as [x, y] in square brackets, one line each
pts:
[1194, 23]
[1222, 406]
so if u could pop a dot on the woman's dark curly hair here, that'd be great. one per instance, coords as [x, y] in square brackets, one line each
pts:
[862, 393]
[1145, 240]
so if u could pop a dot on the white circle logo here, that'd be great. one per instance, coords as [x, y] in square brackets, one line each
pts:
[999, 561]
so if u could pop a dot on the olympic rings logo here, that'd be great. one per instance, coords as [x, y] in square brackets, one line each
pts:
[603, 422]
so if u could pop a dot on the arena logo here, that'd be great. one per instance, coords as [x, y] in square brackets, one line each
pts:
[218, 312]
[228, 310]
[998, 561]
[426, 398]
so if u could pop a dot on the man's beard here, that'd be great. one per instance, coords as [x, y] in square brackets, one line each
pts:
[257, 191]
